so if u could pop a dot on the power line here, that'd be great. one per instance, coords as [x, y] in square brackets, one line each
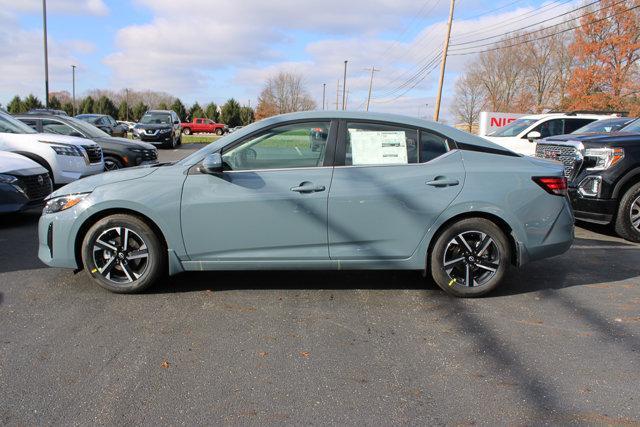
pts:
[545, 36]
[418, 79]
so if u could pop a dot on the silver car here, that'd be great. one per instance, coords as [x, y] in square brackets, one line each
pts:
[379, 192]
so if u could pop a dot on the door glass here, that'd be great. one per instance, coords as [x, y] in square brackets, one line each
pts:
[374, 144]
[298, 145]
[31, 123]
[549, 128]
[570, 125]
[52, 126]
[431, 146]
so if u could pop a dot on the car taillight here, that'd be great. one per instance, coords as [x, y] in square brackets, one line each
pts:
[556, 185]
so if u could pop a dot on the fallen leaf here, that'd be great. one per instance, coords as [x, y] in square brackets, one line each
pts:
[164, 364]
[305, 354]
[263, 354]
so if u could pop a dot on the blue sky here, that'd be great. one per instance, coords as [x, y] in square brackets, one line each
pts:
[202, 50]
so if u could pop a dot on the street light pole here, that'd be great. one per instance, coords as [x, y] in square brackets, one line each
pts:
[46, 55]
[324, 91]
[344, 87]
[73, 74]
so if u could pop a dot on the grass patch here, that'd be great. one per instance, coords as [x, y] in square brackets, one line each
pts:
[199, 139]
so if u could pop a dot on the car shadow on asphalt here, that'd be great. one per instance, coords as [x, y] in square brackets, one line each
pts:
[19, 241]
[582, 265]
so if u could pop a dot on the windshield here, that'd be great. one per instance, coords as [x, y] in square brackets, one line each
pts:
[156, 118]
[603, 126]
[88, 129]
[10, 125]
[514, 128]
[634, 127]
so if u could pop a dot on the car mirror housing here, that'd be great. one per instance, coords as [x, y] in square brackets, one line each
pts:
[176, 122]
[212, 164]
[533, 135]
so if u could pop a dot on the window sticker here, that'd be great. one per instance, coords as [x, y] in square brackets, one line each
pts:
[378, 147]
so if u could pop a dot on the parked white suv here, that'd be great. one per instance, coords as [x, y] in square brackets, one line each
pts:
[66, 158]
[521, 134]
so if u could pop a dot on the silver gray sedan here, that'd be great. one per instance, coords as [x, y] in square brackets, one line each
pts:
[317, 190]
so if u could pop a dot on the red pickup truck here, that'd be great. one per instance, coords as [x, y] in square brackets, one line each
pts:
[204, 126]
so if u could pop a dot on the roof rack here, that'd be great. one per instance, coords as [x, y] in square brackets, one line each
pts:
[619, 113]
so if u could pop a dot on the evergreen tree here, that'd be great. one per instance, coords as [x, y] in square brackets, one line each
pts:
[138, 110]
[87, 105]
[31, 102]
[196, 111]
[54, 103]
[124, 111]
[16, 106]
[247, 116]
[212, 112]
[179, 109]
[231, 113]
[104, 105]
[68, 108]
[163, 106]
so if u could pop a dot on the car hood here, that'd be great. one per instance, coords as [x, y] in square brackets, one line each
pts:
[19, 165]
[124, 142]
[598, 139]
[90, 183]
[62, 139]
[153, 126]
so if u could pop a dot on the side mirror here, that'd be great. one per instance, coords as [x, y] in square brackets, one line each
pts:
[533, 135]
[77, 134]
[212, 164]
[176, 122]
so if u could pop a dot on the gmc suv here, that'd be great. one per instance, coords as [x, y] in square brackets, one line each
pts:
[603, 170]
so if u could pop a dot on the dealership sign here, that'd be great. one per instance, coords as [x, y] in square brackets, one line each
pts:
[491, 121]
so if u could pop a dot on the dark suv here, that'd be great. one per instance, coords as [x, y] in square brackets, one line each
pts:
[118, 152]
[159, 127]
[105, 123]
[603, 170]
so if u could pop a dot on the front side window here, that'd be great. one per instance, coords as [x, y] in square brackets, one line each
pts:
[297, 145]
[514, 128]
[53, 126]
[375, 144]
[9, 124]
[549, 128]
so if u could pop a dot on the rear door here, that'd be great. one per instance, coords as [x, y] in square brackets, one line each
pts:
[389, 185]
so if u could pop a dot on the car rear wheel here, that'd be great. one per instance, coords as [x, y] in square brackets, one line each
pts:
[123, 254]
[470, 257]
[112, 163]
[186, 131]
[219, 132]
[628, 218]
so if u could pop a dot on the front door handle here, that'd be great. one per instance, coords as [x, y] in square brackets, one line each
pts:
[443, 182]
[308, 187]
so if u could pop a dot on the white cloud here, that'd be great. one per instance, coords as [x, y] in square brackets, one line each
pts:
[74, 7]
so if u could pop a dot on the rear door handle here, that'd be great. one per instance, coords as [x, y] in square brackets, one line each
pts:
[308, 187]
[443, 182]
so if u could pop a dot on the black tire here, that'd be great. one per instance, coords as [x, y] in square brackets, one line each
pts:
[186, 131]
[180, 140]
[112, 163]
[122, 274]
[219, 131]
[628, 218]
[496, 256]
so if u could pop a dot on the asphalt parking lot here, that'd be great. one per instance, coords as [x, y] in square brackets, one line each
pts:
[558, 343]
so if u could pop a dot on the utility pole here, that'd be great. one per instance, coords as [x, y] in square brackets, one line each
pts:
[46, 55]
[324, 91]
[344, 87]
[73, 79]
[347, 101]
[445, 49]
[373, 70]
[337, 95]
[126, 101]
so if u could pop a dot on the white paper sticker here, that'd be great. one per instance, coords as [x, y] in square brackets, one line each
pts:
[378, 147]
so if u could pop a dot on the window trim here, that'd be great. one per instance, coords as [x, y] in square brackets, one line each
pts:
[341, 151]
[329, 155]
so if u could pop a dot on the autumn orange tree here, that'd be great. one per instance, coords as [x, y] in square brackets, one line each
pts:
[606, 48]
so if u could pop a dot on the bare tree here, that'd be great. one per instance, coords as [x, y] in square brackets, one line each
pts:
[469, 100]
[284, 93]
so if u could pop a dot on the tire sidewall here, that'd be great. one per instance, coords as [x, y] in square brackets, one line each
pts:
[156, 261]
[437, 253]
[623, 222]
[117, 162]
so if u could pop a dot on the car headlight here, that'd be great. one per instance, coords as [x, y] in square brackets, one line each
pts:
[137, 130]
[67, 150]
[61, 203]
[7, 179]
[604, 158]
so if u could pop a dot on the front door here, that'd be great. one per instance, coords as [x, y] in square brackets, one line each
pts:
[269, 204]
[393, 185]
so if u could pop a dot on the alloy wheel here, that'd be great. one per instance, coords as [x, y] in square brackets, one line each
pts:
[634, 213]
[110, 165]
[471, 259]
[120, 255]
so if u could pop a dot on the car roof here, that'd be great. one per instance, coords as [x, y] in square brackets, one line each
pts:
[79, 116]
[567, 116]
[41, 116]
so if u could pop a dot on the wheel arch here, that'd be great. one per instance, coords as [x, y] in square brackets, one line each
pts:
[116, 156]
[629, 180]
[500, 222]
[88, 222]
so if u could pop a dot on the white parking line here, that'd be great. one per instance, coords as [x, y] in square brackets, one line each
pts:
[605, 247]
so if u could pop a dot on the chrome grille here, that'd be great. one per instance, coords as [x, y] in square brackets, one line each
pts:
[94, 152]
[36, 187]
[568, 155]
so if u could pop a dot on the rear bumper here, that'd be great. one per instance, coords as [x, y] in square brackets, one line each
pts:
[558, 239]
[599, 211]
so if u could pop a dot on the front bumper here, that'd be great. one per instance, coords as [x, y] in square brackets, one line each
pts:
[69, 169]
[158, 138]
[14, 200]
[591, 209]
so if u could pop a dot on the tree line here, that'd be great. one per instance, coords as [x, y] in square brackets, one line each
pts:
[122, 108]
[594, 66]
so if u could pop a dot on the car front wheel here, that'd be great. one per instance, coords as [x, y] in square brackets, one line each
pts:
[628, 219]
[112, 163]
[219, 132]
[470, 257]
[123, 254]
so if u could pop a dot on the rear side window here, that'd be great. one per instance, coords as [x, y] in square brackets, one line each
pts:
[571, 125]
[54, 126]
[377, 144]
[31, 123]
